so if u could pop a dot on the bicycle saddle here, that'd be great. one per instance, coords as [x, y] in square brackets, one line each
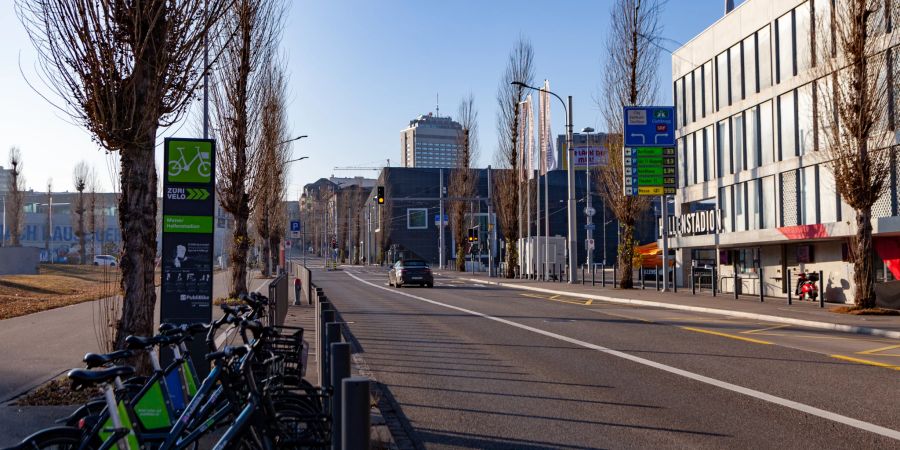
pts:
[82, 378]
[142, 342]
[93, 360]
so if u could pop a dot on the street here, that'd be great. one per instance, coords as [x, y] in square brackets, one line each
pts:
[472, 365]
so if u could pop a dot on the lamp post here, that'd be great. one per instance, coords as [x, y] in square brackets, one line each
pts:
[570, 172]
[588, 209]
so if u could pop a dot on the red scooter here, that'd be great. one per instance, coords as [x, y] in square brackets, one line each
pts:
[806, 286]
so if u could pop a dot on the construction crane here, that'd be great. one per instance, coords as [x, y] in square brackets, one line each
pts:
[363, 168]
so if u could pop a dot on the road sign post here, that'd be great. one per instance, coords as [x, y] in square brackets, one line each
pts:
[650, 162]
[186, 285]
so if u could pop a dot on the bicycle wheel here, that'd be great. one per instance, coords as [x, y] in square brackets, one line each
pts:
[57, 438]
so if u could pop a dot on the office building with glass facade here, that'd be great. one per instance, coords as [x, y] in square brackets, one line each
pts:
[757, 197]
[430, 141]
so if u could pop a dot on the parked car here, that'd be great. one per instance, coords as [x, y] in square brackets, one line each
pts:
[105, 260]
[410, 271]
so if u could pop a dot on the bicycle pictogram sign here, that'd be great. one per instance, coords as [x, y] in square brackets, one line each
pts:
[189, 162]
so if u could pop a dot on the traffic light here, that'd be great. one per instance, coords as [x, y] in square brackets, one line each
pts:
[473, 234]
[380, 195]
[334, 243]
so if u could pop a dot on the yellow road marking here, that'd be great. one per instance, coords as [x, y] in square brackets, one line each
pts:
[716, 333]
[764, 329]
[588, 303]
[554, 297]
[876, 350]
[865, 361]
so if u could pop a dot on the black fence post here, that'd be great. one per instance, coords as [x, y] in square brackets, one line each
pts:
[593, 270]
[821, 291]
[736, 281]
[656, 280]
[603, 275]
[340, 369]
[582, 274]
[674, 278]
[693, 285]
[762, 285]
[789, 293]
[615, 278]
[641, 276]
[713, 280]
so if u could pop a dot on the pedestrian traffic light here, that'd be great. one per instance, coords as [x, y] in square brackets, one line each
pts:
[380, 195]
[334, 243]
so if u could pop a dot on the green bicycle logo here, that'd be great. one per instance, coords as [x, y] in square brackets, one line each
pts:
[191, 165]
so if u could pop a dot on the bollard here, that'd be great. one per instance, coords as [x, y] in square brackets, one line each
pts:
[693, 285]
[674, 281]
[582, 274]
[355, 414]
[592, 274]
[641, 276]
[326, 317]
[821, 291]
[332, 336]
[762, 286]
[656, 280]
[340, 369]
[615, 278]
[713, 280]
[736, 281]
[789, 293]
[603, 275]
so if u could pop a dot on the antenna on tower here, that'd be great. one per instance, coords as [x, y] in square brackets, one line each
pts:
[437, 107]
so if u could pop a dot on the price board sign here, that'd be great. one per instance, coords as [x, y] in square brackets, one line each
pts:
[650, 163]
[649, 170]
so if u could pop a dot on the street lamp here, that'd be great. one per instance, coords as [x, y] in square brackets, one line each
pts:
[588, 209]
[570, 169]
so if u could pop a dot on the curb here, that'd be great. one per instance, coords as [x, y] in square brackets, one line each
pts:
[722, 312]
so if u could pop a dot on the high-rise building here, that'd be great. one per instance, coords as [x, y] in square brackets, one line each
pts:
[430, 141]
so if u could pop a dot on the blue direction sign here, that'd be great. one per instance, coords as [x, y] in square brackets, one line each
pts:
[649, 126]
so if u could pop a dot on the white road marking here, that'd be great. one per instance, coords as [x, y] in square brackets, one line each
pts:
[871, 427]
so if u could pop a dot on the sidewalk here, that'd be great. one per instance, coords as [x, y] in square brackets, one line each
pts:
[774, 309]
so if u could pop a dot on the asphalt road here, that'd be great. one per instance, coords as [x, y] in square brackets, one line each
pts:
[475, 366]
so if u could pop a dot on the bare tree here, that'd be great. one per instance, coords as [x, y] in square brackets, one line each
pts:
[853, 61]
[92, 213]
[79, 206]
[268, 212]
[520, 68]
[462, 183]
[15, 198]
[124, 69]
[237, 101]
[630, 79]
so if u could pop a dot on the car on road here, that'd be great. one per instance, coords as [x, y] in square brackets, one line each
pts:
[105, 260]
[410, 271]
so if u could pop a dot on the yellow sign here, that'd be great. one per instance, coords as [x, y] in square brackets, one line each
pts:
[650, 190]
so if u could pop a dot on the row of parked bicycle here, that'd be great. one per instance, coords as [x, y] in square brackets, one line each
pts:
[254, 396]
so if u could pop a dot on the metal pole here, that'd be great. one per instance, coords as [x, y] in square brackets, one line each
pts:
[340, 369]
[492, 237]
[570, 166]
[355, 401]
[603, 274]
[664, 211]
[546, 225]
[326, 317]
[441, 219]
[332, 336]
[589, 249]
[714, 281]
[821, 291]
[762, 284]
[789, 286]
[693, 286]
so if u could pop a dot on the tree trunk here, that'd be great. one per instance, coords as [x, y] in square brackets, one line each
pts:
[863, 264]
[137, 220]
[461, 258]
[274, 254]
[626, 257]
[239, 247]
[265, 258]
[82, 252]
[512, 256]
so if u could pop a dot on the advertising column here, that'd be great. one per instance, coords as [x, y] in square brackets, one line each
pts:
[186, 286]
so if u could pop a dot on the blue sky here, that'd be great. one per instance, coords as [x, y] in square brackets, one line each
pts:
[360, 70]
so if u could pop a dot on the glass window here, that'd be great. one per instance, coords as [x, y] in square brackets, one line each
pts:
[825, 112]
[737, 143]
[707, 88]
[723, 149]
[828, 195]
[416, 218]
[766, 133]
[707, 154]
[698, 144]
[679, 101]
[784, 47]
[682, 180]
[753, 196]
[768, 201]
[740, 216]
[689, 98]
[735, 58]
[764, 47]
[787, 127]
[808, 187]
[697, 88]
[822, 27]
[805, 119]
[802, 16]
[686, 164]
[753, 148]
[750, 78]
[722, 88]
[725, 206]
